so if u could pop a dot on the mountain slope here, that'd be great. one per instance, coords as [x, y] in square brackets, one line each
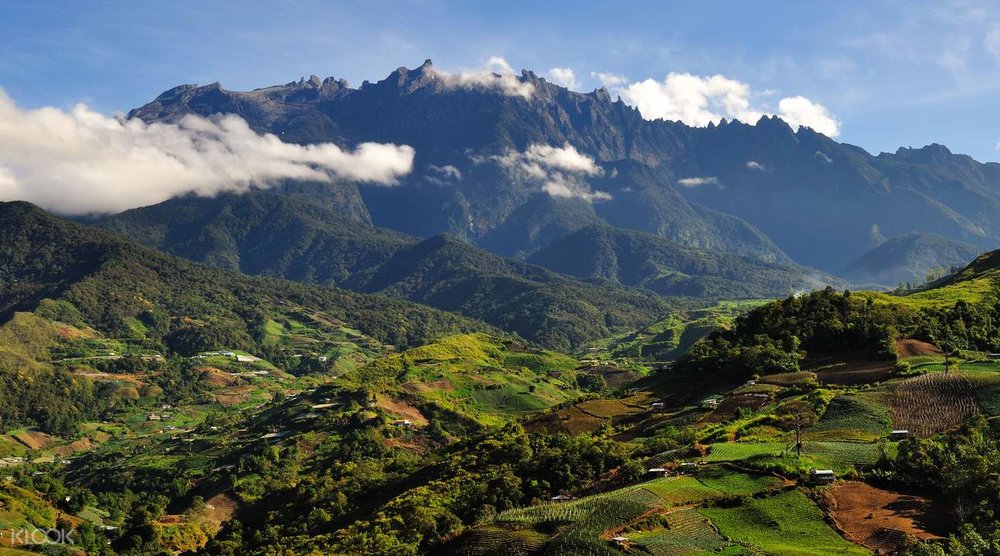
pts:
[651, 262]
[116, 285]
[270, 234]
[261, 233]
[909, 259]
[761, 190]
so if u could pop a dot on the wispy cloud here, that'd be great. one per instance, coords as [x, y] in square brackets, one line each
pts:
[495, 74]
[565, 77]
[558, 171]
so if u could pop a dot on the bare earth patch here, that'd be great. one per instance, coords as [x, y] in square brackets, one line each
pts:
[402, 409]
[220, 508]
[915, 348]
[881, 519]
[932, 403]
[433, 386]
[34, 440]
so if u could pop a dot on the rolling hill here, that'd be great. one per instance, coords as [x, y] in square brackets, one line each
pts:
[910, 259]
[651, 262]
[274, 235]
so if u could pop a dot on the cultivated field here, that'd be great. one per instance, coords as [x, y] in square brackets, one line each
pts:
[685, 531]
[932, 403]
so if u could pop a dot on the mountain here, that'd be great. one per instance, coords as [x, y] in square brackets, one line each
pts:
[910, 259]
[467, 131]
[763, 190]
[651, 262]
[274, 235]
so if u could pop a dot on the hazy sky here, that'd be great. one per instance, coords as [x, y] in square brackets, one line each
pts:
[892, 73]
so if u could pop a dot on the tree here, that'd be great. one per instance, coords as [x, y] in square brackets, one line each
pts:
[796, 416]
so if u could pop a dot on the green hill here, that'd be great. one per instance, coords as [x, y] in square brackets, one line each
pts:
[668, 268]
[94, 294]
[911, 259]
[274, 235]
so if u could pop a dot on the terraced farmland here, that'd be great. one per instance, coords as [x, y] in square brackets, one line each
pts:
[932, 403]
[687, 532]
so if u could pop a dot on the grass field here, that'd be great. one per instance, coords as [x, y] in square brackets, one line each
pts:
[787, 524]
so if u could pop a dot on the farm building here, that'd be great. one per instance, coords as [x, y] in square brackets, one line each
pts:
[402, 423]
[657, 405]
[620, 541]
[822, 476]
[899, 434]
[658, 471]
[562, 498]
[709, 403]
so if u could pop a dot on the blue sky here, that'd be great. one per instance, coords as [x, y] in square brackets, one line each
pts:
[893, 73]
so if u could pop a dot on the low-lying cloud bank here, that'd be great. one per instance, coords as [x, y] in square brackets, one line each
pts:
[81, 161]
[697, 101]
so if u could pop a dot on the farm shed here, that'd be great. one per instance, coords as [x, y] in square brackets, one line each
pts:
[822, 476]
[899, 434]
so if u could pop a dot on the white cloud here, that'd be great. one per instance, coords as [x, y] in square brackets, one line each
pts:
[991, 42]
[564, 77]
[698, 101]
[81, 161]
[558, 171]
[496, 74]
[447, 171]
[692, 99]
[695, 182]
[754, 165]
[609, 80]
[800, 111]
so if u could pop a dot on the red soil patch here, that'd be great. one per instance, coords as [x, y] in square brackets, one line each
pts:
[218, 378]
[932, 403]
[434, 386]
[34, 440]
[405, 444]
[81, 445]
[402, 409]
[914, 348]
[881, 519]
[233, 396]
[72, 333]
